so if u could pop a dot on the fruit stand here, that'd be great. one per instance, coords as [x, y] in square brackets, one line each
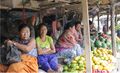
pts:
[102, 58]
[100, 51]
[102, 62]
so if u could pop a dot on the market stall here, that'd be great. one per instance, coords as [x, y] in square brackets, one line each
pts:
[101, 51]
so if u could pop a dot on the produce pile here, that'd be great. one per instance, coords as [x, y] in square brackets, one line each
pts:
[78, 64]
[101, 41]
[102, 60]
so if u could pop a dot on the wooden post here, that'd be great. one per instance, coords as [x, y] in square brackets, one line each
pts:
[92, 19]
[113, 28]
[98, 21]
[108, 20]
[116, 19]
[85, 20]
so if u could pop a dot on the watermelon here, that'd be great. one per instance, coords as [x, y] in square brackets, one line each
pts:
[92, 38]
[108, 42]
[98, 43]
[104, 45]
[92, 44]
[102, 39]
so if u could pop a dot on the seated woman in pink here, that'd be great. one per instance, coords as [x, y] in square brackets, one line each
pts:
[66, 45]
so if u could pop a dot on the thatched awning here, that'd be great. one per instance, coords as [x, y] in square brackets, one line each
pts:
[104, 5]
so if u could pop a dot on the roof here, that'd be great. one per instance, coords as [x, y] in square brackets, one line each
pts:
[103, 6]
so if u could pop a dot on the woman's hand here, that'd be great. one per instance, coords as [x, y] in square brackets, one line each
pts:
[44, 51]
[26, 48]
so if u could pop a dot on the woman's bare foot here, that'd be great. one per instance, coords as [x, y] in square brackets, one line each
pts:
[60, 68]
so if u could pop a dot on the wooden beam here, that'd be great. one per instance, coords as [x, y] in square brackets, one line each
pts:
[85, 20]
[113, 28]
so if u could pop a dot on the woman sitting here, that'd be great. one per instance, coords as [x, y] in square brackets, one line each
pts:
[79, 33]
[26, 45]
[46, 57]
[67, 46]
[57, 31]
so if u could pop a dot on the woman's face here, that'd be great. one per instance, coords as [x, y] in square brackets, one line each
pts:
[91, 26]
[43, 30]
[58, 25]
[25, 33]
[78, 27]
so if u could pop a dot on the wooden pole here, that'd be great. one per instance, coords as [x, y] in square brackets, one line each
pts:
[98, 21]
[116, 19]
[108, 20]
[92, 19]
[113, 28]
[86, 36]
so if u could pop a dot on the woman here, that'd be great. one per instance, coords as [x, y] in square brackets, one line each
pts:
[57, 32]
[46, 57]
[79, 33]
[67, 46]
[92, 28]
[26, 45]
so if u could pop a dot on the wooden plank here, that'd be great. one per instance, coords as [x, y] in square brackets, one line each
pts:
[113, 28]
[86, 36]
